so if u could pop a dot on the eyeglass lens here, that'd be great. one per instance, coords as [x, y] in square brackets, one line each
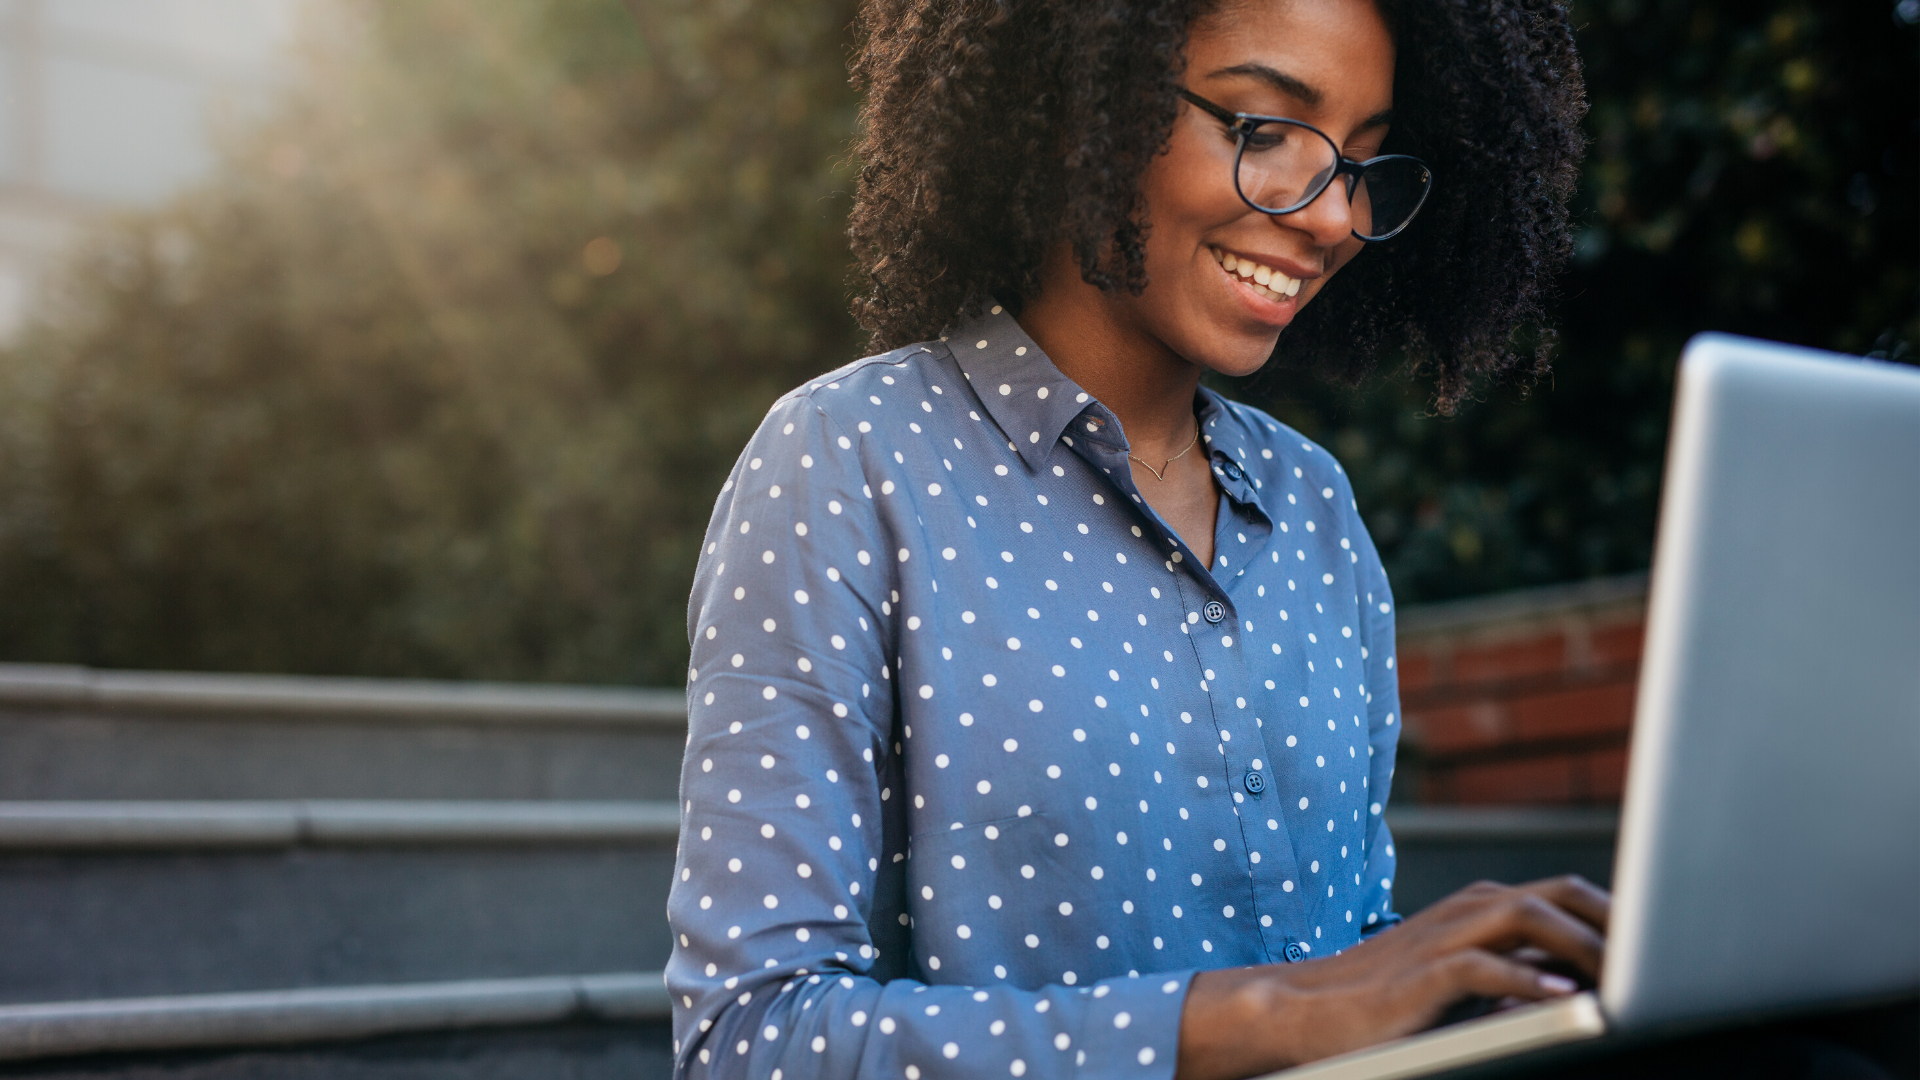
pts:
[1283, 166]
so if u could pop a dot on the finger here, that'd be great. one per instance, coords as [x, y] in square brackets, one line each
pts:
[1527, 954]
[1576, 894]
[1530, 921]
[1439, 924]
[1517, 919]
[1476, 972]
[1563, 917]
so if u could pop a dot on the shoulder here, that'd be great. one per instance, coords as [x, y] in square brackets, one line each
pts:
[838, 398]
[820, 431]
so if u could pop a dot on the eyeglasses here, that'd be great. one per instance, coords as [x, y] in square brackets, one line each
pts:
[1282, 165]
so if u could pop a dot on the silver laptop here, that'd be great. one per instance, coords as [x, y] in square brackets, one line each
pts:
[1769, 855]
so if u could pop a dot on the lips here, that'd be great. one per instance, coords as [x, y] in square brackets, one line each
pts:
[1264, 280]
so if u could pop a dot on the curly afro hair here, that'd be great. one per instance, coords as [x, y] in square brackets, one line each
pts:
[994, 129]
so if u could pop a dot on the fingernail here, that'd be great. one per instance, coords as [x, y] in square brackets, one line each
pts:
[1557, 984]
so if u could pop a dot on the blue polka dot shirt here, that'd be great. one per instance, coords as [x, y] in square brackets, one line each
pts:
[982, 765]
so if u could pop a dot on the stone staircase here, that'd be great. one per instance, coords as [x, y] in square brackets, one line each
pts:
[210, 877]
[226, 876]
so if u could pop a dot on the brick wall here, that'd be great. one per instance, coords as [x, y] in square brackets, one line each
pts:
[1523, 697]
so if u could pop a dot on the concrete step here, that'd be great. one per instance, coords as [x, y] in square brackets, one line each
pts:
[115, 900]
[76, 733]
[282, 1017]
[576, 1050]
[578, 1026]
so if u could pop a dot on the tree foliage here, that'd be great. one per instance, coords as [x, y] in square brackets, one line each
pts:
[439, 373]
[1752, 170]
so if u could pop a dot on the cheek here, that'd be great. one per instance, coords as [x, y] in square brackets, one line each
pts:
[1188, 191]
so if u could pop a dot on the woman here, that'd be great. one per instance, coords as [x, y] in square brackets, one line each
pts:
[1042, 704]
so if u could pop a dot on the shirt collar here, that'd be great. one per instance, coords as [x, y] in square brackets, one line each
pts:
[1021, 389]
[1225, 438]
[1034, 403]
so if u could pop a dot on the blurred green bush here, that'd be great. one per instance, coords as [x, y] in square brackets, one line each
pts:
[440, 373]
[1751, 169]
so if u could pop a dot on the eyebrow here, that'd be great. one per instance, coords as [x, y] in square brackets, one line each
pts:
[1308, 94]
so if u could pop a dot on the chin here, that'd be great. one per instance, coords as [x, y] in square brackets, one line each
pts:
[1229, 339]
[1241, 366]
[1237, 355]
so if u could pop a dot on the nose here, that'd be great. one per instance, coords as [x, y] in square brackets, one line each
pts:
[1328, 219]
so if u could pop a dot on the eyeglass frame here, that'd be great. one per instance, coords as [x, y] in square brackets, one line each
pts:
[1244, 124]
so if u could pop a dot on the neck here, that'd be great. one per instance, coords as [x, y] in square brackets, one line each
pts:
[1089, 337]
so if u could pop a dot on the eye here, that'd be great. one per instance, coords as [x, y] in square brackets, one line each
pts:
[1267, 137]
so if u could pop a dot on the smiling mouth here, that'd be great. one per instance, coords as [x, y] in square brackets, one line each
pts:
[1264, 280]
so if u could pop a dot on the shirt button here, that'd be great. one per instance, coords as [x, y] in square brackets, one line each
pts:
[1294, 953]
[1232, 470]
[1256, 782]
[1214, 611]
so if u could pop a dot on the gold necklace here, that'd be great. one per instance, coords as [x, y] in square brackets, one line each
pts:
[1161, 472]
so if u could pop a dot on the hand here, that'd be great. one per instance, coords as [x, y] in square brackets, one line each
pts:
[1244, 1021]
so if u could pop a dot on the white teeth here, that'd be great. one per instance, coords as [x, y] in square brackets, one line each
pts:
[1269, 282]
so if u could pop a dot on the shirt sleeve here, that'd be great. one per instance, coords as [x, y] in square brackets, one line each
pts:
[1383, 727]
[784, 789]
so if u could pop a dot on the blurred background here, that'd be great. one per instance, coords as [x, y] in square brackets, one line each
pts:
[415, 339]
[412, 341]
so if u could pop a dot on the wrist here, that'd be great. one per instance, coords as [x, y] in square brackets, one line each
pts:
[1237, 1022]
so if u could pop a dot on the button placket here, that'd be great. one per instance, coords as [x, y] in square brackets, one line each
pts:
[1230, 682]
[1224, 673]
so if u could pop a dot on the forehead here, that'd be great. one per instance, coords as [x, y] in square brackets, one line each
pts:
[1339, 47]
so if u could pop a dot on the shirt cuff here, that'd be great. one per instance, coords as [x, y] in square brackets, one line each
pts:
[1133, 1027]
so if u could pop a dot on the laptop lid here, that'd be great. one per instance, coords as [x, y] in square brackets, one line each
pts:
[1770, 838]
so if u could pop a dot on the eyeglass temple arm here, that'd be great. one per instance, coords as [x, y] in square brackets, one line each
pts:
[1223, 115]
